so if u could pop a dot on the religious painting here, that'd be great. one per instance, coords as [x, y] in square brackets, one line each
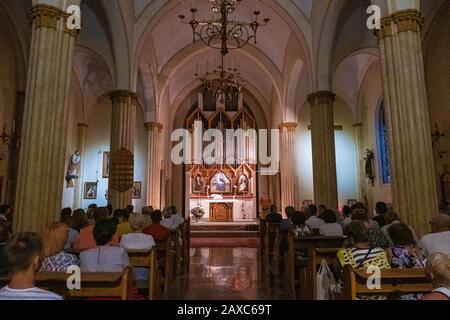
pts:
[106, 164]
[220, 183]
[136, 191]
[243, 184]
[198, 185]
[90, 190]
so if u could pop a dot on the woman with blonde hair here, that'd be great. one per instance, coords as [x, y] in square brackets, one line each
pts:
[438, 271]
[56, 260]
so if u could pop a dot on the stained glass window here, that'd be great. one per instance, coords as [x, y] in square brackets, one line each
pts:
[384, 145]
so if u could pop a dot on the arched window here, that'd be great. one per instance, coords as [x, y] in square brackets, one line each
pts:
[383, 145]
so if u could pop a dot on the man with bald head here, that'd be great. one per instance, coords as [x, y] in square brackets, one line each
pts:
[439, 239]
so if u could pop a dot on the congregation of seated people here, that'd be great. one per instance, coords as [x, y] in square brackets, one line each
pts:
[380, 239]
[95, 240]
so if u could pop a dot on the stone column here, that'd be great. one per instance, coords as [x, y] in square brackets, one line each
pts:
[44, 135]
[154, 164]
[123, 125]
[412, 166]
[323, 149]
[81, 146]
[289, 190]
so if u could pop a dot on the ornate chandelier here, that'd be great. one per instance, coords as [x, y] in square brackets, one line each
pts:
[222, 32]
[221, 83]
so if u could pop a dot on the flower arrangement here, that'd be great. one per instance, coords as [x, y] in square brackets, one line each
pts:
[197, 213]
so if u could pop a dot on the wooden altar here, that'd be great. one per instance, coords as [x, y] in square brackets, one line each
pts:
[221, 212]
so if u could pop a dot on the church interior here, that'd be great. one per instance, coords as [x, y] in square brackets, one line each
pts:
[349, 100]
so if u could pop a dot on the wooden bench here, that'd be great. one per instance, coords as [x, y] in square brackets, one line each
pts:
[165, 263]
[393, 281]
[317, 255]
[148, 259]
[272, 247]
[307, 267]
[99, 284]
[186, 250]
[262, 235]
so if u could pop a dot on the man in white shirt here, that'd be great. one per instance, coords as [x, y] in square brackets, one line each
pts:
[176, 216]
[104, 258]
[331, 227]
[23, 252]
[439, 239]
[169, 221]
[313, 221]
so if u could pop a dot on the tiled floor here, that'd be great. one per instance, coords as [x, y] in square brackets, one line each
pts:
[225, 274]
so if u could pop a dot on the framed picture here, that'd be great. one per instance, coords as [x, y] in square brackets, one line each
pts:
[136, 191]
[243, 184]
[198, 185]
[106, 163]
[220, 183]
[90, 190]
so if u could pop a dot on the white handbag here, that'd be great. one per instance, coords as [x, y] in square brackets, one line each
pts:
[325, 280]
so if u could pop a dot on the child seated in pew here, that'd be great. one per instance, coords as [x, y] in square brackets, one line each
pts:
[438, 271]
[23, 252]
[104, 258]
[56, 259]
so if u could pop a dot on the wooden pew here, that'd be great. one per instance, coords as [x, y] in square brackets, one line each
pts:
[317, 255]
[393, 281]
[186, 250]
[272, 246]
[308, 270]
[165, 263]
[148, 259]
[175, 236]
[100, 284]
[262, 235]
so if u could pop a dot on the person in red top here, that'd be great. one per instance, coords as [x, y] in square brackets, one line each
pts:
[86, 241]
[156, 230]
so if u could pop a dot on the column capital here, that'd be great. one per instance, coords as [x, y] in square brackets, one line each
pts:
[290, 126]
[321, 97]
[150, 126]
[83, 125]
[123, 96]
[400, 21]
[46, 16]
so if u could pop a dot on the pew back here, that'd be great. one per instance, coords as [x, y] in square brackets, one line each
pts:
[393, 281]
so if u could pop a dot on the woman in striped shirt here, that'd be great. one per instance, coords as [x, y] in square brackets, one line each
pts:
[360, 254]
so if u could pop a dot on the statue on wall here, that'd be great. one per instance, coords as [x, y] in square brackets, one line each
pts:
[369, 166]
[72, 176]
